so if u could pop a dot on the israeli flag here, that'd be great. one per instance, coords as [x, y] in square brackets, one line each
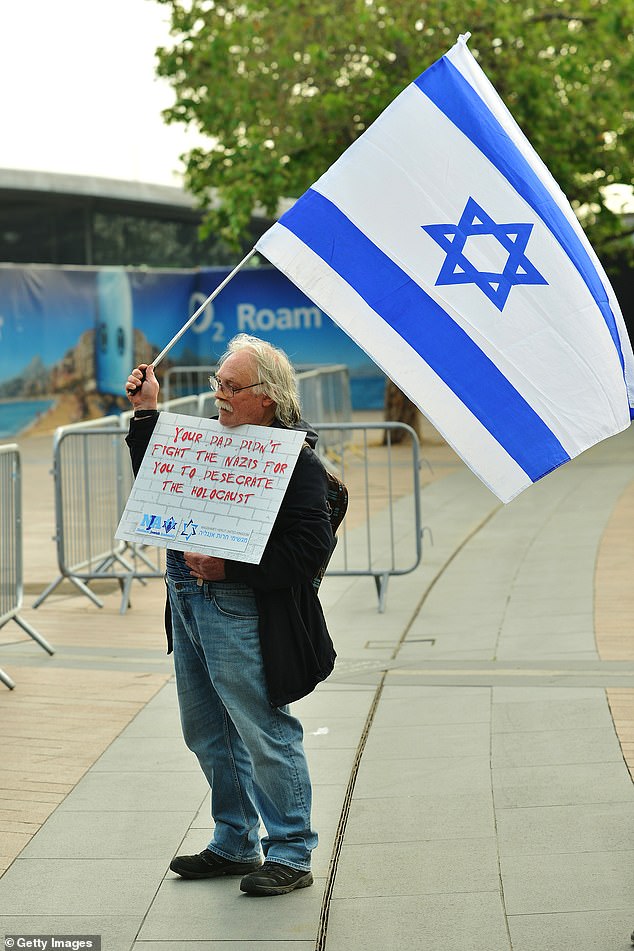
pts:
[442, 245]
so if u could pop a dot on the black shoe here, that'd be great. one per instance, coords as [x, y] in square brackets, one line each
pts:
[275, 879]
[209, 864]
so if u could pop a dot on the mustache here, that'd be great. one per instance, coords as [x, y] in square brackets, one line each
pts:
[220, 404]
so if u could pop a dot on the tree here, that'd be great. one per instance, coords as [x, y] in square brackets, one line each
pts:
[282, 88]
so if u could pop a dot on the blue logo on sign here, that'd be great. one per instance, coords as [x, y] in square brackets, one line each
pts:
[156, 525]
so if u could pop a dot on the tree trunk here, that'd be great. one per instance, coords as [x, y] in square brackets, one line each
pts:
[399, 409]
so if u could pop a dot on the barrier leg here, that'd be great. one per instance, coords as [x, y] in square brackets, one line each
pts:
[137, 553]
[86, 590]
[126, 584]
[44, 595]
[127, 566]
[104, 566]
[381, 589]
[79, 584]
[6, 680]
[34, 634]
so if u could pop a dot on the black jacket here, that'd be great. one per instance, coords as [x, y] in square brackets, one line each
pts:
[297, 650]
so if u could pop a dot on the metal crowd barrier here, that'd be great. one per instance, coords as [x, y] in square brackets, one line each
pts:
[92, 481]
[185, 381]
[93, 478]
[324, 395]
[11, 581]
[382, 474]
[324, 391]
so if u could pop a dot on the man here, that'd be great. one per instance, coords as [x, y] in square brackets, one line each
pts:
[248, 640]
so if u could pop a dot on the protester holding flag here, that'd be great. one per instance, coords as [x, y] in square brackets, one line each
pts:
[442, 245]
[249, 639]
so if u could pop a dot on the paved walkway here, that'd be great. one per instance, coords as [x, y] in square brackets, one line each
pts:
[471, 790]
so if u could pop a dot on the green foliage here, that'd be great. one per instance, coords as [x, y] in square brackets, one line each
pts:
[282, 88]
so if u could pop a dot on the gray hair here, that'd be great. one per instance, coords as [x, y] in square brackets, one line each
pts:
[276, 375]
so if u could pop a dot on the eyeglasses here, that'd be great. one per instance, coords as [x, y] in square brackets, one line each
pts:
[227, 388]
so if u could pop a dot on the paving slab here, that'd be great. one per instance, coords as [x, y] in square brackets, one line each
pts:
[149, 754]
[457, 815]
[560, 785]
[438, 776]
[129, 791]
[432, 867]
[548, 644]
[80, 887]
[595, 827]
[545, 694]
[108, 835]
[469, 921]
[197, 911]
[573, 931]
[181, 944]
[548, 747]
[472, 706]
[459, 740]
[567, 882]
[561, 713]
[117, 932]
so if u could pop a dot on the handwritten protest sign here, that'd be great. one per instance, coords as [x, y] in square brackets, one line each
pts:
[208, 488]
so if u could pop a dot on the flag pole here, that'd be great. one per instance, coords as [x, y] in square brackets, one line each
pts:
[197, 314]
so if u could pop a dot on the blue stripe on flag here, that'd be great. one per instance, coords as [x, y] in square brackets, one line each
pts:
[456, 98]
[429, 330]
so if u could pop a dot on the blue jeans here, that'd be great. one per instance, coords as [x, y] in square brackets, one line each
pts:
[251, 753]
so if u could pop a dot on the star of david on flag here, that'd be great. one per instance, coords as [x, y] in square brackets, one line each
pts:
[459, 269]
[442, 245]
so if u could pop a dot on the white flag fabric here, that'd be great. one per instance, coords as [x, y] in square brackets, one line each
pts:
[442, 245]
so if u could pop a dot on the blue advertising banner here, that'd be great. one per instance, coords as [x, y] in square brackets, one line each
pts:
[69, 336]
[266, 304]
